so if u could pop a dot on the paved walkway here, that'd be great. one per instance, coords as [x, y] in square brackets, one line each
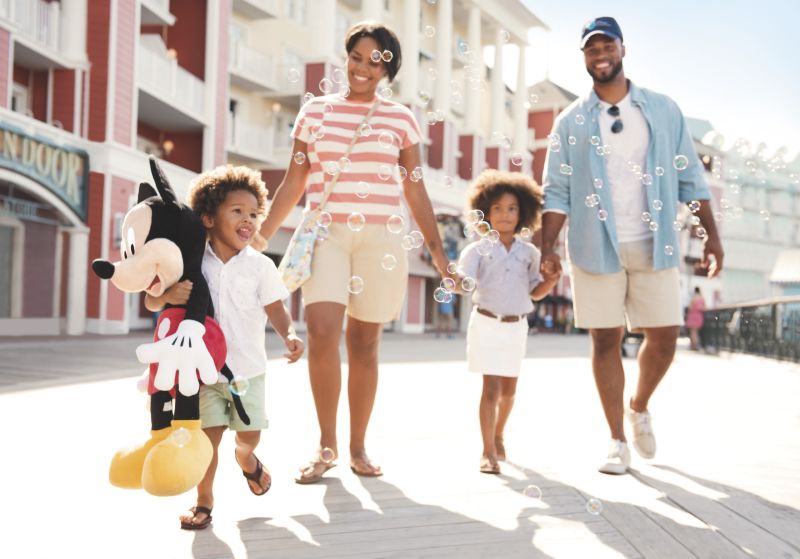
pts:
[726, 481]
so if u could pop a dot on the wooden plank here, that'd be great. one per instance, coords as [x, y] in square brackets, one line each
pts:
[741, 537]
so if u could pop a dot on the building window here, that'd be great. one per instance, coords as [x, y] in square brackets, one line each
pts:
[19, 98]
[296, 10]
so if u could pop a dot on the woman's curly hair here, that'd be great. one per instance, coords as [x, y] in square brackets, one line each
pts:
[492, 184]
[209, 189]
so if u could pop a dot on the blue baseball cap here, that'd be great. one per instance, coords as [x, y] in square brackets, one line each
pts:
[601, 26]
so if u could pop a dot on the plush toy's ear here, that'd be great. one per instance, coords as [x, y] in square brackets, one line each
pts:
[145, 191]
[162, 184]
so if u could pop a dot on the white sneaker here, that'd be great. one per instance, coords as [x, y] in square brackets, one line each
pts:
[644, 441]
[619, 459]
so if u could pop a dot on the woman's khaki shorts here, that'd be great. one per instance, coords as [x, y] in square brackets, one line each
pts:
[648, 298]
[347, 253]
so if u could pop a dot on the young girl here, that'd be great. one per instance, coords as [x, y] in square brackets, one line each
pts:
[507, 278]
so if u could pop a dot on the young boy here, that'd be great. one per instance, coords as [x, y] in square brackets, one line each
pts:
[507, 277]
[246, 289]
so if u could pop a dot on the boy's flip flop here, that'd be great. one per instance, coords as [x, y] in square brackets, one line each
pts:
[255, 477]
[191, 525]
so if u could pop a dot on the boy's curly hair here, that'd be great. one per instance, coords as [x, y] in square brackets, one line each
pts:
[492, 184]
[209, 189]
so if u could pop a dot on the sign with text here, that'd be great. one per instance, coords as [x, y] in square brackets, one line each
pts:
[61, 169]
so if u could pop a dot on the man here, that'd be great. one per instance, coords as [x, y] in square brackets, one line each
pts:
[619, 163]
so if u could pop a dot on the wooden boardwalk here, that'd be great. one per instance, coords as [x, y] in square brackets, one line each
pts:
[725, 482]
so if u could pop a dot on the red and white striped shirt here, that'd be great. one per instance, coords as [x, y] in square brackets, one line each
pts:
[327, 125]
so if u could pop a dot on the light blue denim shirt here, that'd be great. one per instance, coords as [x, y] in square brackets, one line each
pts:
[592, 243]
[504, 278]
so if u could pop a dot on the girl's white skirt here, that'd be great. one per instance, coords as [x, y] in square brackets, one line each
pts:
[494, 347]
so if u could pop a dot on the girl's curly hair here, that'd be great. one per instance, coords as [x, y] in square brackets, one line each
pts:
[492, 184]
[209, 189]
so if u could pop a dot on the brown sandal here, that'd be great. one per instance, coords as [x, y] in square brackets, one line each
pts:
[374, 471]
[203, 524]
[489, 466]
[318, 468]
[255, 477]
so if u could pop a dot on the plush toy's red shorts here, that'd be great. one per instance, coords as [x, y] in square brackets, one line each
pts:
[168, 322]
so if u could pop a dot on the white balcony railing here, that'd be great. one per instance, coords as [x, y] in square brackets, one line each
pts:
[173, 84]
[250, 140]
[253, 65]
[37, 20]
[162, 5]
[256, 8]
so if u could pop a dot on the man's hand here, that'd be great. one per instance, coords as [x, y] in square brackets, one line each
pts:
[550, 264]
[713, 248]
[550, 273]
[178, 294]
[184, 352]
[294, 348]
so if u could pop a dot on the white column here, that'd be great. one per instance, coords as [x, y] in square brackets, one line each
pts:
[498, 87]
[76, 287]
[444, 55]
[409, 74]
[73, 29]
[520, 113]
[472, 113]
[212, 70]
[323, 28]
[372, 10]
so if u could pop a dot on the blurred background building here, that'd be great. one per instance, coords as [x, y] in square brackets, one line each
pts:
[87, 94]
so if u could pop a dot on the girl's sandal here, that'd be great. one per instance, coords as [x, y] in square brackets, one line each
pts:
[489, 466]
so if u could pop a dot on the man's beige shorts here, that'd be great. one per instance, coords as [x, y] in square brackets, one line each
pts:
[349, 253]
[648, 298]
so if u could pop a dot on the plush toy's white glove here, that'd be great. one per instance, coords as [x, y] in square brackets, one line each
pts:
[143, 380]
[185, 352]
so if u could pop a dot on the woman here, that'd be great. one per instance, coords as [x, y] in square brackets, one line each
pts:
[694, 319]
[365, 198]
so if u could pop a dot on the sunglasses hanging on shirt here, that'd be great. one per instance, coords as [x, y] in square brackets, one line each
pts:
[616, 128]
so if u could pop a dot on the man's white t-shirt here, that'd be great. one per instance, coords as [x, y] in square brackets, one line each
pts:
[240, 289]
[628, 194]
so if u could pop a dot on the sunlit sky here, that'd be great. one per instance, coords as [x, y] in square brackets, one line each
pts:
[732, 62]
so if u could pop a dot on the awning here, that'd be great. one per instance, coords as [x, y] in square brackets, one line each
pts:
[787, 267]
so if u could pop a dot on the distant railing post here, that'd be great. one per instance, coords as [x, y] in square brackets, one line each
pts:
[770, 328]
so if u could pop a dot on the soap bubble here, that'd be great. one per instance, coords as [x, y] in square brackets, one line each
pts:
[388, 262]
[356, 221]
[680, 162]
[594, 506]
[395, 224]
[239, 386]
[533, 491]
[327, 455]
[180, 437]
[355, 285]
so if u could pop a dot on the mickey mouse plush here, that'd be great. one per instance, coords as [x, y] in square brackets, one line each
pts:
[163, 243]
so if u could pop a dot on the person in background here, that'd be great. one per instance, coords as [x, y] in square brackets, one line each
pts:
[695, 318]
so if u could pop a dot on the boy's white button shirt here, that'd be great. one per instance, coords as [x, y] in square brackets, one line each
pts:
[240, 289]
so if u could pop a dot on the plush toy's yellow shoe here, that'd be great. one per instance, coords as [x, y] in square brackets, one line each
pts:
[179, 462]
[127, 464]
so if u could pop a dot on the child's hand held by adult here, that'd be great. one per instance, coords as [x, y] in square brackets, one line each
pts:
[294, 348]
